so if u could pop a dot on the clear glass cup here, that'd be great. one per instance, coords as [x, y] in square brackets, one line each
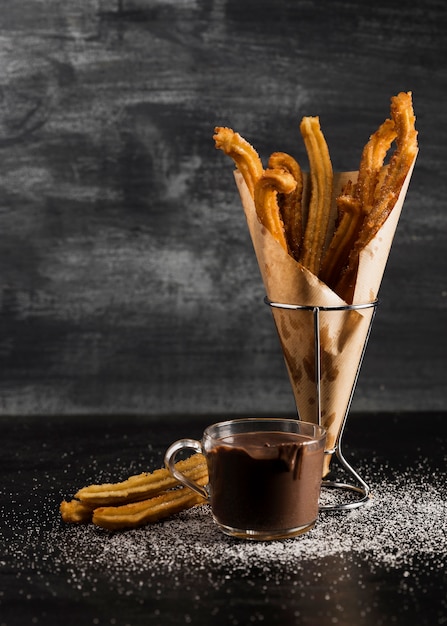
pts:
[264, 475]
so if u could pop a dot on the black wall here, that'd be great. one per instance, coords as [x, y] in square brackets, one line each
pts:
[127, 278]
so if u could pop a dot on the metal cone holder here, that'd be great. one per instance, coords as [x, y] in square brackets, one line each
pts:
[360, 488]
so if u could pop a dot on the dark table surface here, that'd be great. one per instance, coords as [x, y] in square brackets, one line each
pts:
[381, 564]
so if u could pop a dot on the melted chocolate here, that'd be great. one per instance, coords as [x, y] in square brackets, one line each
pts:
[265, 481]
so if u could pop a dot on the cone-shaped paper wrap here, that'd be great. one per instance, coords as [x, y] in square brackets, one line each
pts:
[342, 333]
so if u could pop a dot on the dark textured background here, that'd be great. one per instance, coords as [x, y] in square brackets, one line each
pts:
[128, 281]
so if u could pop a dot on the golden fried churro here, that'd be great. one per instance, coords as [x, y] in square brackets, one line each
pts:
[266, 201]
[290, 203]
[371, 164]
[399, 166]
[148, 511]
[388, 188]
[150, 496]
[243, 154]
[76, 512]
[321, 176]
[354, 204]
[142, 486]
[346, 233]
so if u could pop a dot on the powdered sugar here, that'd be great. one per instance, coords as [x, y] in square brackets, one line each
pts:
[403, 526]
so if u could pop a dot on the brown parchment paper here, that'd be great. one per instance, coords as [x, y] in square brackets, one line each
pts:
[342, 333]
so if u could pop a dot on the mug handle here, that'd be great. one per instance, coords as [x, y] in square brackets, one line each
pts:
[170, 457]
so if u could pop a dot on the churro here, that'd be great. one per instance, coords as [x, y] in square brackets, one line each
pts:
[399, 166]
[148, 511]
[290, 203]
[141, 486]
[390, 182]
[356, 202]
[75, 511]
[243, 154]
[371, 164]
[138, 500]
[349, 221]
[321, 176]
[266, 191]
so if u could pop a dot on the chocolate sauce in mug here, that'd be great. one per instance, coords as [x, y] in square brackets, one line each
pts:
[265, 480]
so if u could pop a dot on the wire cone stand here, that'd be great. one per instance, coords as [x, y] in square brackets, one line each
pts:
[337, 494]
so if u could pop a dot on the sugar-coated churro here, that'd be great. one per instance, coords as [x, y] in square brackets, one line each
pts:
[243, 154]
[75, 511]
[350, 219]
[355, 203]
[141, 486]
[400, 163]
[138, 500]
[321, 177]
[272, 182]
[371, 164]
[148, 511]
[290, 203]
[390, 182]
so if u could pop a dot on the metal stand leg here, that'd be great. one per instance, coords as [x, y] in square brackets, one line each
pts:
[362, 488]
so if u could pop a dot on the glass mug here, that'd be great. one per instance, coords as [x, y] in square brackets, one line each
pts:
[264, 475]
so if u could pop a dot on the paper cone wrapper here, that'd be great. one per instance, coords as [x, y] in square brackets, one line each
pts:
[342, 333]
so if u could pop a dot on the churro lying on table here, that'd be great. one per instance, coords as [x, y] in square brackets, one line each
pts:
[139, 500]
[157, 508]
